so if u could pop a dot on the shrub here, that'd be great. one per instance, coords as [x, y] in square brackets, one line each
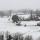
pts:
[18, 24]
[38, 24]
[25, 25]
[28, 37]
[38, 38]
[15, 18]
[18, 36]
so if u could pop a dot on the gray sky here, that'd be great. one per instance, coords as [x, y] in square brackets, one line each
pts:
[19, 4]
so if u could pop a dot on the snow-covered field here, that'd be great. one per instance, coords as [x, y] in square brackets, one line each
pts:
[6, 25]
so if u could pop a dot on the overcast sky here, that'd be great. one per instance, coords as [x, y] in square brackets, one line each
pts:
[19, 4]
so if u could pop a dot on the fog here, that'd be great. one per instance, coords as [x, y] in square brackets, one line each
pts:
[19, 4]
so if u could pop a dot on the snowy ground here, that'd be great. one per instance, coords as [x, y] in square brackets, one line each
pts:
[6, 25]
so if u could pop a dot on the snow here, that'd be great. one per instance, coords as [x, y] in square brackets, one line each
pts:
[6, 25]
[24, 16]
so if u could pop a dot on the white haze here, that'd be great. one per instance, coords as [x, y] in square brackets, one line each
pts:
[19, 4]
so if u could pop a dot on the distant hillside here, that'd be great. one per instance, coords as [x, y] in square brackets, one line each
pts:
[5, 13]
[25, 11]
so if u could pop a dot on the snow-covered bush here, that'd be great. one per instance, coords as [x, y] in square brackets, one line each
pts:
[38, 38]
[38, 24]
[25, 25]
[18, 36]
[18, 24]
[28, 37]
